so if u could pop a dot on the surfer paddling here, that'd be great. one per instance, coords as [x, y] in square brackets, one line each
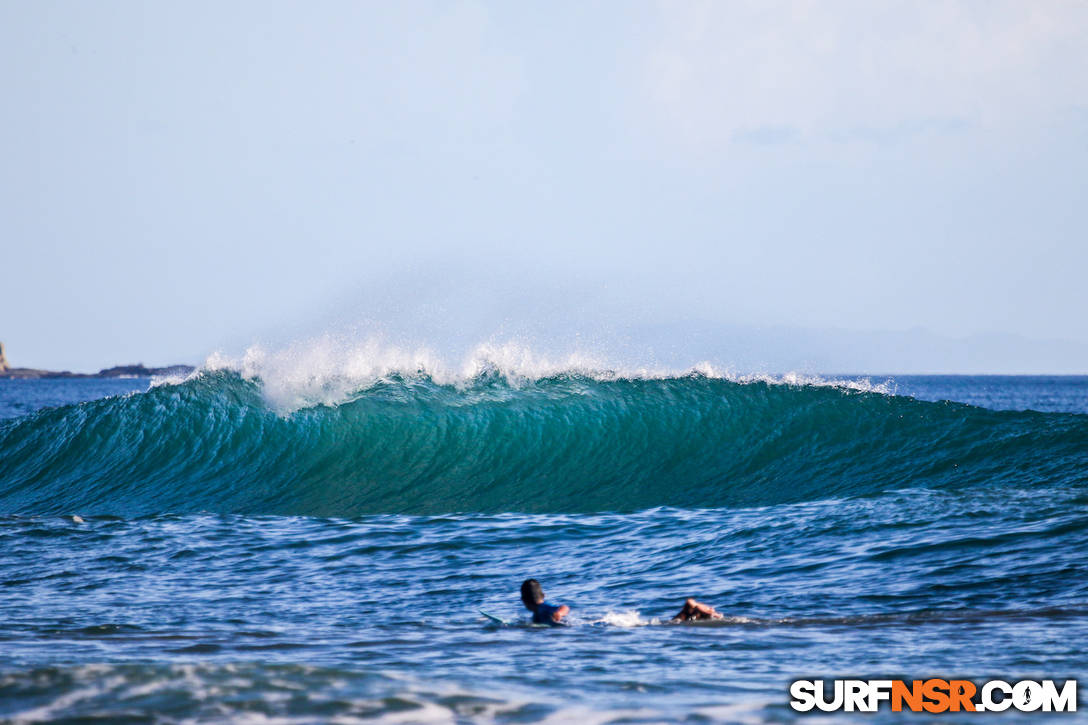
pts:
[694, 611]
[543, 612]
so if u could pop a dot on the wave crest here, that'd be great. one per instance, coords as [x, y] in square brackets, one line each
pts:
[330, 371]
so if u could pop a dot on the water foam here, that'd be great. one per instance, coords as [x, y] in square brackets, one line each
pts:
[629, 618]
[330, 370]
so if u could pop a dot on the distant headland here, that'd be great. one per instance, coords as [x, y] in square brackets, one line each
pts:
[119, 371]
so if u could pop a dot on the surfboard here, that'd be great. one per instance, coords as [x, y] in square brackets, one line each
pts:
[493, 618]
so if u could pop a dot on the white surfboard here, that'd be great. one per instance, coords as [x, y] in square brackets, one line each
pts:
[493, 618]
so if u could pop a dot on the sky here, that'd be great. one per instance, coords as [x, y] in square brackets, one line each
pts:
[885, 186]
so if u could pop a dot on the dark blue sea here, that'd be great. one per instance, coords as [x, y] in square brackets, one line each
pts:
[238, 548]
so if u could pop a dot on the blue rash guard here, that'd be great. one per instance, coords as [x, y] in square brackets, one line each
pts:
[543, 613]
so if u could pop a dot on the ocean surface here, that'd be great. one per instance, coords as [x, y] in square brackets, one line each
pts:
[248, 547]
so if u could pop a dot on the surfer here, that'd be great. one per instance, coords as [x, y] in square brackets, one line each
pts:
[543, 612]
[694, 610]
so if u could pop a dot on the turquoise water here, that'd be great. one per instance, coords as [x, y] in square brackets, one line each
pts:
[242, 559]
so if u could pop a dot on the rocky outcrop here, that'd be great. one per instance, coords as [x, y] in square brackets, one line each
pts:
[141, 371]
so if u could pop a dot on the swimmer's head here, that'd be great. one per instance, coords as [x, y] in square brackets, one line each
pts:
[531, 594]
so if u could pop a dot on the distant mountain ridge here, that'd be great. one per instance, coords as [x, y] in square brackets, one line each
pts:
[118, 371]
[139, 370]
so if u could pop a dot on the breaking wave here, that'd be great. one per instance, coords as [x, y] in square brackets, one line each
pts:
[278, 435]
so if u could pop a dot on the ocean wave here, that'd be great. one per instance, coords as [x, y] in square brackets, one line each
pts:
[338, 436]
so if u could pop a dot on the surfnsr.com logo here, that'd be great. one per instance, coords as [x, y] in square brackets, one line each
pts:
[933, 695]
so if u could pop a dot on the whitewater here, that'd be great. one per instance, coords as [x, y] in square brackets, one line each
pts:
[307, 535]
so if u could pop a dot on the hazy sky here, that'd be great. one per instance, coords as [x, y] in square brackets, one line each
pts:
[181, 177]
